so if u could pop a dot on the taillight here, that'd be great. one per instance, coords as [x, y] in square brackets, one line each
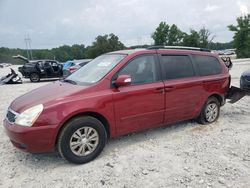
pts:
[72, 69]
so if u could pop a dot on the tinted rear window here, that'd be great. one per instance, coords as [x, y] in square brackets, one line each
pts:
[207, 65]
[177, 66]
[82, 64]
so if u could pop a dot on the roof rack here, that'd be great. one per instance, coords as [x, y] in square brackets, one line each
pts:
[178, 48]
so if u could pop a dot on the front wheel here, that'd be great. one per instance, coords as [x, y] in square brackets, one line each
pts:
[34, 77]
[210, 111]
[82, 140]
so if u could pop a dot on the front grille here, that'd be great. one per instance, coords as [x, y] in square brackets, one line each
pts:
[11, 116]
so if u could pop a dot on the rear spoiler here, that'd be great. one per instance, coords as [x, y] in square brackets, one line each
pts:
[227, 61]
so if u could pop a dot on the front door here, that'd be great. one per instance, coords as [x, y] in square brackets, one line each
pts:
[140, 105]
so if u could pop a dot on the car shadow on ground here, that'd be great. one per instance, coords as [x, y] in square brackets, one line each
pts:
[27, 81]
[46, 159]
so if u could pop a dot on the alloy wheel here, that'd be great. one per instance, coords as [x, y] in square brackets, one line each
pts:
[211, 112]
[84, 141]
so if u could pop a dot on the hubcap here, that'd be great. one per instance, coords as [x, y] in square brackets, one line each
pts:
[34, 77]
[211, 112]
[84, 141]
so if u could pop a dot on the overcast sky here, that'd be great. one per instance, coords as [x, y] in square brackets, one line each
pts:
[51, 23]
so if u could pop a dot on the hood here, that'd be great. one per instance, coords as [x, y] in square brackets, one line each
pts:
[57, 91]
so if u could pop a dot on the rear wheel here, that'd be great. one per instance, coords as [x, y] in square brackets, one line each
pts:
[34, 77]
[210, 111]
[82, 140]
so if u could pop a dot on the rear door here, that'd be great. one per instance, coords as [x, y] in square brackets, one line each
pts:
[183, 88]
[140, 105]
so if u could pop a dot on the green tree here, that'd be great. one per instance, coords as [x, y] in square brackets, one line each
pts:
[160, 34]
[63, 53]
[220, 46]
[192, 39]
[175, 36]
[42, 54]
[78, 51]
[167, 35]
[104, 44]
[242, 36]
[205, 38]
[201, 38]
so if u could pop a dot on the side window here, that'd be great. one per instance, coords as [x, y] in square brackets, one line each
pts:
[46, 64]
[40, 64]
[177, 66]
[207, 65]
[53, 63]
[141, 69]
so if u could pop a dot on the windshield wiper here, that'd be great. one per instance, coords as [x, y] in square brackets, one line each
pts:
[70, 81]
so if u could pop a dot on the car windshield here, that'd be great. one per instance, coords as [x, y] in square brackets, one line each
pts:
[96, 69]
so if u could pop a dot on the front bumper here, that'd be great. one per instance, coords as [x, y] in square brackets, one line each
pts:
[32, 139]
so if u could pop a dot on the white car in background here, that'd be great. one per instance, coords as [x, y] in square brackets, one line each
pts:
[2, 65]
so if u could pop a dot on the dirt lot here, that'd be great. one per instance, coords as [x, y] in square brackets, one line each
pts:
[182, 155]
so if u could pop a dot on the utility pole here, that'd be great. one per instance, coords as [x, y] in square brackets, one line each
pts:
[27, 41]
[27, 49]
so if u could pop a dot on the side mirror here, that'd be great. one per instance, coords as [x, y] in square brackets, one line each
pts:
[123, 80]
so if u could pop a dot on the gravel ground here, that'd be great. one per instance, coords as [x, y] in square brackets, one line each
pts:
[181, 155]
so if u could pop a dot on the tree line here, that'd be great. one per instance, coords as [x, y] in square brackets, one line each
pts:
[171, 35]
[102, 44]
[164, 34]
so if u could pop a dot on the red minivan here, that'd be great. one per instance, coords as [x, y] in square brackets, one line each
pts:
[115, 94]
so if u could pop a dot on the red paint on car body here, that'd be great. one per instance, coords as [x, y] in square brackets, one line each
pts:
[124, 109]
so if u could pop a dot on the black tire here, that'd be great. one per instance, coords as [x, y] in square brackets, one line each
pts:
[202, 118]
[34, 77]
[66, 136]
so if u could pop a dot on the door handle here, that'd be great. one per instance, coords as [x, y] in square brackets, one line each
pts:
[169, 88]
[159, 90]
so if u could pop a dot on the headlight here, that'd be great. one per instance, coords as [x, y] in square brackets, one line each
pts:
[29, 116]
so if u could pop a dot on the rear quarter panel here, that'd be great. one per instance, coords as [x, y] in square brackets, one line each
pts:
[218, 84]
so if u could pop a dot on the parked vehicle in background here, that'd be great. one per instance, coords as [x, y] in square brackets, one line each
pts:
[245, 80]
[2, 65]
[71, 66]
[221, 52]
[226, 52]
[11, 78]
[115, 94]
[229, 52]
[37, 69]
